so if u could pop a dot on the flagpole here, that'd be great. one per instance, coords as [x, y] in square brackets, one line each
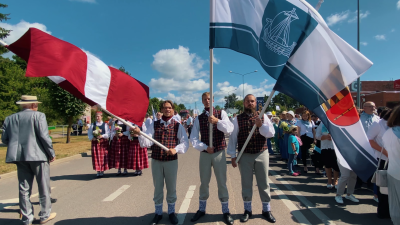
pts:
[133, 127]
[358, 48]
[254, 127]
[210, 137]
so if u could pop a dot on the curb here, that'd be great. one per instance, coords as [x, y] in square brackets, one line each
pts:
[14, 173]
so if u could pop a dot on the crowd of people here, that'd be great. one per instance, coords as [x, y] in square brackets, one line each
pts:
[115, 145]
[296, 136]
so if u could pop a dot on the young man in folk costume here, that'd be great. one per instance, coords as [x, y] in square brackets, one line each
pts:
[164, 164]
[99, 145]
[255, 156]
[137, 156]
[118, 157]
[212, 157]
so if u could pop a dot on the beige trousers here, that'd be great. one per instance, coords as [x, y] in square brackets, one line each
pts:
[260, 163]
[218, 162]
[164, 171]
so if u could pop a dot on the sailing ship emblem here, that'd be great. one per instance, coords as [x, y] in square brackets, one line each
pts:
[276, 34]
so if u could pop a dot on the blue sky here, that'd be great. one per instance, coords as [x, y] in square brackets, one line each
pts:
[163, 41]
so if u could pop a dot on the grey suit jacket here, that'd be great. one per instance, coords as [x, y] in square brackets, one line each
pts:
[27, 137]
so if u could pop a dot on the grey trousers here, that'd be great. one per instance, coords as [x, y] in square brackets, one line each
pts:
[349, 178]
[394, 199]
[164, 171]
[26, 172]
[260, 163]
[218, 162]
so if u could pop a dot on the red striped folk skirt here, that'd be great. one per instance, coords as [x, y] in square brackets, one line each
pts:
[137, 157]
[118, 156]
[100, 155]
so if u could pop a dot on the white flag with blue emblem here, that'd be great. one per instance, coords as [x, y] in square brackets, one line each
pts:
[310, 62]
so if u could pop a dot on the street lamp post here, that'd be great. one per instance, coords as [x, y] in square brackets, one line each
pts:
[243, 77]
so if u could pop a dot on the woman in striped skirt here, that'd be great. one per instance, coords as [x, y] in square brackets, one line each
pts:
[99, 145]
[137, 156]
[119, 147]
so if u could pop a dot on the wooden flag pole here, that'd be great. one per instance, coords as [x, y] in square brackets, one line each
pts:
[210, 137]
[133, 127]
[254, 127]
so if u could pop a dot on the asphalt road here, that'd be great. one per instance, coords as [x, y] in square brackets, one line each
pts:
[82, 199]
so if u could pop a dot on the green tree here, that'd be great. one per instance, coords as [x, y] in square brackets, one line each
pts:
[20, 62]
[217, 107]
[239, 105]
[230, 101]
[121, 68]
[155, 102]
[285, 102]
[66, 105]
[3, 32]
[182, 106]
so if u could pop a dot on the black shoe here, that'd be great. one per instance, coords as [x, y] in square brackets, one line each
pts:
[139, 173]
[246, 216]
[198, 215]
[173, 219]
[53, 200]
[269, 217]
[228, 218]
[118, 174]
[156, 219]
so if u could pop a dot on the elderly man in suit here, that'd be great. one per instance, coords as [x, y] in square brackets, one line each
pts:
[30, 148]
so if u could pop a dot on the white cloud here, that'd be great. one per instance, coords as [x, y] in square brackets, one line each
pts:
[178, 63]
[215, 59]
[364, 43]
[179, 70]
[168, 84]
[398, 4]
[94, 55]
[86, 1]
[17, 30]
[362, 16]
[225, 89]
[380, 37]
[337, 18]
[187, 98]
[393, 30]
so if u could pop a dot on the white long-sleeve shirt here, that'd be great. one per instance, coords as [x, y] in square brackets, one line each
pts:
[181, 148]
[224, 125]
[107, 131]
[267, 130]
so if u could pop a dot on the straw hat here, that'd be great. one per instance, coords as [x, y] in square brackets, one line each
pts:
[284, 112]
[292, 127]
[27, 99]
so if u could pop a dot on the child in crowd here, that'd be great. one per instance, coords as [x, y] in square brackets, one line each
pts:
[293, 149]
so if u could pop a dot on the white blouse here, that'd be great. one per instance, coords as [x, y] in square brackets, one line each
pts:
[325, 144]
[107, 132]
[376, 132]
[307, 130]
[392, 144]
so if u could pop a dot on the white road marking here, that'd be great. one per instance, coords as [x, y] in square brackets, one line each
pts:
[16, 200]
[114, 195]
[292, 207]
[304, 200]
[185, 204]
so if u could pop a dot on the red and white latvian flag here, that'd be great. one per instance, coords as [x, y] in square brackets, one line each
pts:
[83, 75]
